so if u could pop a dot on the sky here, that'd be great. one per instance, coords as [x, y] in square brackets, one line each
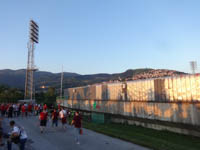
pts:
[101, 36]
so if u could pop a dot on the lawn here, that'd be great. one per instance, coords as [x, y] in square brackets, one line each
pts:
[158, 140]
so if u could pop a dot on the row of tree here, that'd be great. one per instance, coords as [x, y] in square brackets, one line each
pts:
[12, 95]
[48, 97]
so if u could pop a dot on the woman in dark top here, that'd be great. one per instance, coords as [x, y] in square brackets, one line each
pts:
[77, 122]
[10, 111]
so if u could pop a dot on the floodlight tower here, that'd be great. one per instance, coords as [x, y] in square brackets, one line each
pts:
[193, 66]
[33, 39]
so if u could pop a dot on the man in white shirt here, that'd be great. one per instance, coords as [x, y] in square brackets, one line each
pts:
[17, 135]
[15, 109]
[63, 116]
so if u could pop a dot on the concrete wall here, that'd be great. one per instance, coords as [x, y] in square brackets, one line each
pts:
[187, 113]
[173, 99]
[182, 88]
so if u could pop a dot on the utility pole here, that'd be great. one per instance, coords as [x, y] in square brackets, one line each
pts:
[61, 86]
[61, 83]
[33, 39]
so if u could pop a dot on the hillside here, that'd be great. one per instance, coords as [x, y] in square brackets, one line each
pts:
[16, 78]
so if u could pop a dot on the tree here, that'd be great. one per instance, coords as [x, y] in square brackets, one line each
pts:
[10, 95]
[50, 96]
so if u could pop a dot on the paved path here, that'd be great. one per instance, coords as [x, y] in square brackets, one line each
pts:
[58, 139]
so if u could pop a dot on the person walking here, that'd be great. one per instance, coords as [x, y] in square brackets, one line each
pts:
[10, 111]
[1, 133]
[23, 110]
[6, 109]
[63, 117]
[19, 109]
[15, 109]
[43, 120]
[26, 109]
[3, 110]
[35, 109]
[30, 107]
[77, 122]
[54, 118]
[40, 108]
[45, 106]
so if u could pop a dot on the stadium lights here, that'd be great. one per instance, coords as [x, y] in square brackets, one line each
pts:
[34, 31]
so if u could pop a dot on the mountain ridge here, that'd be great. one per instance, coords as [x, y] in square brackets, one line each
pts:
[16, 78]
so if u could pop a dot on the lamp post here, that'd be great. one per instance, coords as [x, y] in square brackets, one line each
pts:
[61, 87]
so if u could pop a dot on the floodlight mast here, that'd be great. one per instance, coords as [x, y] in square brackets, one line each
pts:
[193, 66]
[33, 39]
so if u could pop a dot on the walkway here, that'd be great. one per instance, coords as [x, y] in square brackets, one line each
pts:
[58, 139]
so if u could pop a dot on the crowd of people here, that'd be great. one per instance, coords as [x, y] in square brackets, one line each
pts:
[156, 74]
[52, 114]
[20, 109]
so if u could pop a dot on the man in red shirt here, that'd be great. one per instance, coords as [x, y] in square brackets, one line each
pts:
[23, 110]
[30, 109]
[45, 107]
[59, 107]
[36, 109]
[43, 120]
[77, 122]
[3, 110]
[54, 117]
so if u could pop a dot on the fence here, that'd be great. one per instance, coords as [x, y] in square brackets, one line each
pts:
[169, 89]
[173, 99]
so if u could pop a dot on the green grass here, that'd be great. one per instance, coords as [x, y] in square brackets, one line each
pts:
[158, 140]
